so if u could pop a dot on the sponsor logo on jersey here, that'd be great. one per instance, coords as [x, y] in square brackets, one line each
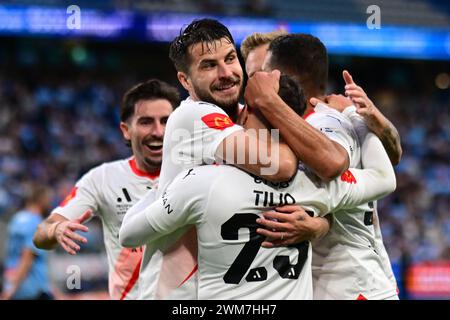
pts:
[69, 197]
[217, 121]
[347, 176]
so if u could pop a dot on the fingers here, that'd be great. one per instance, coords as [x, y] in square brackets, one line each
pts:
[347, 77]
[355, 93]
[270, 224]
[276, 73]
[269, 234]
[361, 102]
[76, 226]
[315, 101]
[65, 245]
[74, 236]
[289, 208]
[276, 243]
[273, 215]
[85, 216]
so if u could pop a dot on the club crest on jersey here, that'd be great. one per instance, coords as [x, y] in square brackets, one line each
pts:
[217, 121]
[347, 176]
[69, 197]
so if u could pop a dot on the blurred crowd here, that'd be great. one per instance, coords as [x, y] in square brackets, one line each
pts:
[53, 131]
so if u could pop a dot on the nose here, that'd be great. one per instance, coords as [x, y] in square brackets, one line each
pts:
[158, 129]
[225, 70]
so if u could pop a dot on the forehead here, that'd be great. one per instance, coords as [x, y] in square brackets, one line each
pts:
[211, 50]
[266, 66]
[255, 58]
[156, 108]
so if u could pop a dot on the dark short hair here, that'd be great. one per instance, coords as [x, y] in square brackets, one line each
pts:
[304, 57]
[198, 31]
[149, 90]
[292, 94]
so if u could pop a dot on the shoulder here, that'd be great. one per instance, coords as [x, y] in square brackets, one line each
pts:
[98, 174]
[25, 220]
[203, 177]
[190, 109]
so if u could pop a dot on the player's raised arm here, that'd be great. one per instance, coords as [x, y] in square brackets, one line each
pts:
[375, 120]
[323, 156]
[375, 180]
[258, 149]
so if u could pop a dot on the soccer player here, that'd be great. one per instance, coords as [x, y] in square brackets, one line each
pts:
[26, 273]
[107, 191]
[199, 132]
[366, 275]
[224, 204]
[254, 49]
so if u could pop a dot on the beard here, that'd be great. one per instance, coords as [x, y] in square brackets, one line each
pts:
[152, 163]
[228, 104]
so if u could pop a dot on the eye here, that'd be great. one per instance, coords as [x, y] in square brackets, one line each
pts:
[230, 58]
[145, 121]
[208, 65]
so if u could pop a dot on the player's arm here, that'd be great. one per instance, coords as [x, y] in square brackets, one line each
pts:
[26, 260]
[376, 180]
[323, 156]
[57, 229]
[180, 205]
[376, 121]
[258, 152]
[78, 207]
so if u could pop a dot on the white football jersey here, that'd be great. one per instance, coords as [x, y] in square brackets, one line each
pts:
[349, 262]
[223, 203]
[193, 133]
[337, 127]
[109, 190]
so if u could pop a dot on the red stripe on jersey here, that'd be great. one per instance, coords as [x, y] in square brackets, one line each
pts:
[69, 197]
[217, 121]
[190, 275]
[132, 281]
[151, 175]
[308, 114]
[361, 297]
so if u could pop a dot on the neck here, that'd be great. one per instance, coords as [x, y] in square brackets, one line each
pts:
[141, 165]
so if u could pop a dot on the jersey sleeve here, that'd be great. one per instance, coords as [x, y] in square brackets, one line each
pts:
[358, 186]
[329, 123]
[182, 203]
[84, 196]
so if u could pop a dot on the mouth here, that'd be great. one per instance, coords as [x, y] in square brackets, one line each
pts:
[227, 88]
[154, 146]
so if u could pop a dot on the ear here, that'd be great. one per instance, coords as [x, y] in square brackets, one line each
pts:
[184, 80]
[125, 130]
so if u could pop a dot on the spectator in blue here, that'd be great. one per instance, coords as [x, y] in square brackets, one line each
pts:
[26, 270]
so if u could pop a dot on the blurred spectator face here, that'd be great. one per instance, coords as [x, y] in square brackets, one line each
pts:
[145, 130]
[255, 59]
[215, 74]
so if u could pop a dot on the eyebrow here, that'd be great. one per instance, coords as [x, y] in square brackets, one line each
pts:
[232, 51]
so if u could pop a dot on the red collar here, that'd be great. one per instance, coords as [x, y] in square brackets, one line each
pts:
[308, 114]
[151, 175]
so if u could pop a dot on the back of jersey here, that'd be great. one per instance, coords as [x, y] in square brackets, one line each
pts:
[232, 263]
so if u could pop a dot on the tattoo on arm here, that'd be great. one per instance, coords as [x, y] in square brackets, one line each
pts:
[391, 142]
